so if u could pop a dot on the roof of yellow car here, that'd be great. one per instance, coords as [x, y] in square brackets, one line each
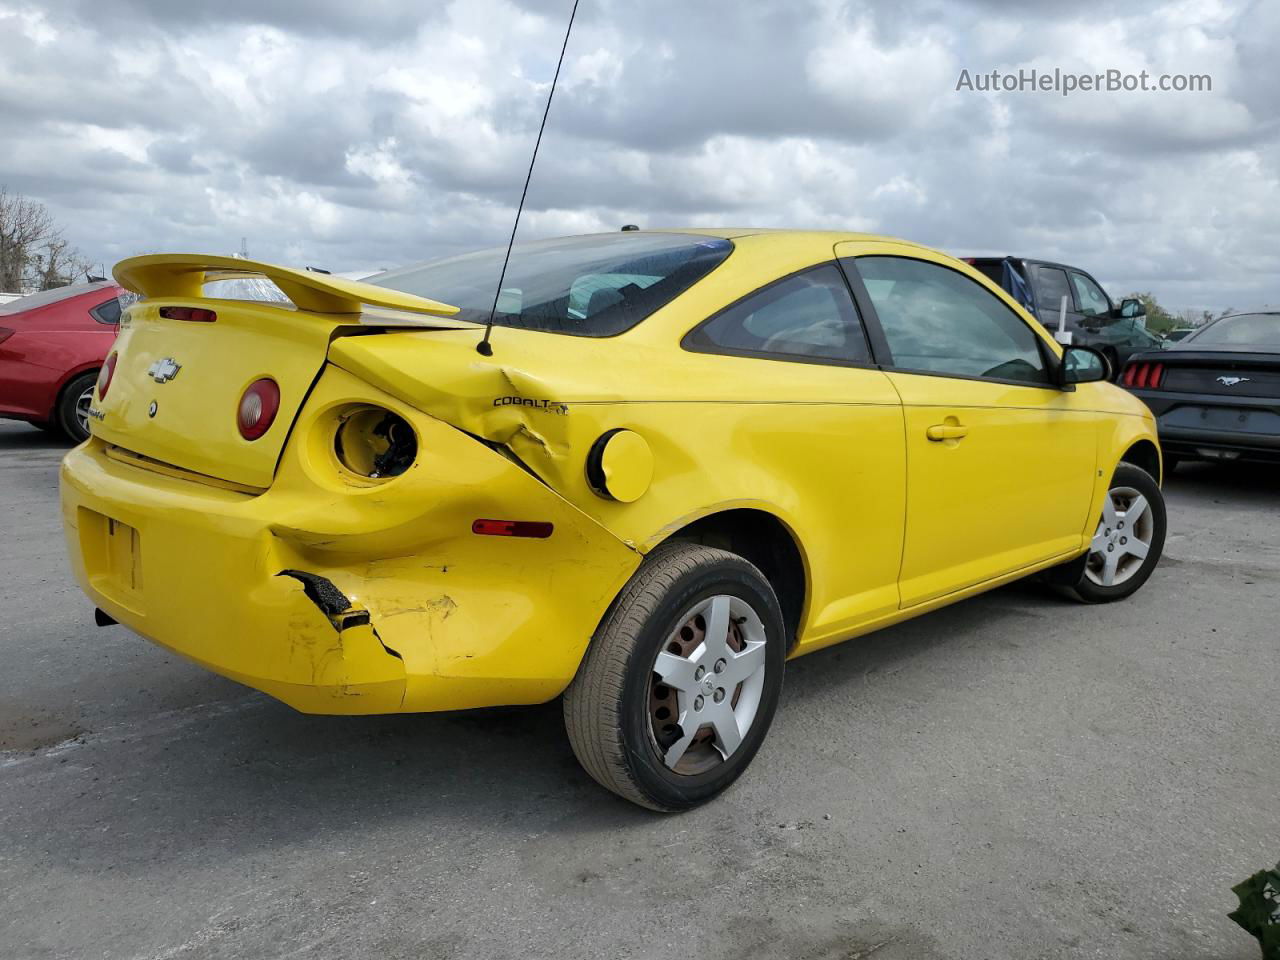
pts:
[826, 236]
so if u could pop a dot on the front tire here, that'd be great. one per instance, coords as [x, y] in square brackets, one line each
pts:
[1128, 542]
[680, 683]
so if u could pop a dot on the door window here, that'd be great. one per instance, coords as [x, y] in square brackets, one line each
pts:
[1093, 302]
[809, 315]
[1051, 287]
[938, 320]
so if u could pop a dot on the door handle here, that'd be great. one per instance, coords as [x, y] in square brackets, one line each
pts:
[946, 431]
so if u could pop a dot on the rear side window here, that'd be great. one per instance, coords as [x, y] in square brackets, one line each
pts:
[937, 320]
[107, 312]
[593, 286]
[809, 315]
[993, 270]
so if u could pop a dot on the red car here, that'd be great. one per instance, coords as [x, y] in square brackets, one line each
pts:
[52, 345]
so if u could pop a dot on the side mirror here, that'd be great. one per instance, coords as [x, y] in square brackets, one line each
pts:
[1132, 308]
[1084, 365]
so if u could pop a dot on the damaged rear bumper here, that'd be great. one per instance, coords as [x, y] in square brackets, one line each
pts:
[349, 600]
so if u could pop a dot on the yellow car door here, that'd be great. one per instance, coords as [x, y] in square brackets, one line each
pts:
[1000, 459]
[818, 432]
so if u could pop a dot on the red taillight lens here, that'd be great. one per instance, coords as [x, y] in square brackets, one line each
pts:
[258, 408]
[194, 314]
[1145, 376]
[105, 374]
[538, 529]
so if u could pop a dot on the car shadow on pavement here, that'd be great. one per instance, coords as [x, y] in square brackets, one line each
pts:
[1251, 481]
[16, 436]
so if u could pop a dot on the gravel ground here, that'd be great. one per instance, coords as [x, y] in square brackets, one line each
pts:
[1014, 777]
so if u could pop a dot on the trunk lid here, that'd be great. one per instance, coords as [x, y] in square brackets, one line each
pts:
[177, 385]
[176, 389]
[1223, 374]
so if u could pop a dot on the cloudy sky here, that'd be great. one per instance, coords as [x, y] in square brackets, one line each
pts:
[355, 134]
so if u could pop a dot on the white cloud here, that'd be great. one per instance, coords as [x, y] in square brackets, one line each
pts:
[363, 135]
[895, 82]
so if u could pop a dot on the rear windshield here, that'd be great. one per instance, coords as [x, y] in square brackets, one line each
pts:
[993, 270]
[1243, 330]
[593, 286]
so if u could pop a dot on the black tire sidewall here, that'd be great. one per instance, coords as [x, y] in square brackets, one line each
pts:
[1128, 475]
[1113, 360]
[66, 412]
[663, 786]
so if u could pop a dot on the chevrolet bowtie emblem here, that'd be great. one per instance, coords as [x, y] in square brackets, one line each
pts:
[162, 371]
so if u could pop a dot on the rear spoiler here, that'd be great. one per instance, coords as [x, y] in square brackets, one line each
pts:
[182, 276]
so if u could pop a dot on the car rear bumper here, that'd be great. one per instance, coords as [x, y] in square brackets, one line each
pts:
[438, 618]
[1210, 426]
[1220, 445]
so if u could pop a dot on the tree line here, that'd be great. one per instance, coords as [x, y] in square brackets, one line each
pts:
[34, 254]
[1160, 320]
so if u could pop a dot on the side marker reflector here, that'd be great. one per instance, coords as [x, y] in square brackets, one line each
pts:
[537, 529]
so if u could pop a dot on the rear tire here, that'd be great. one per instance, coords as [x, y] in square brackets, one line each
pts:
[72, 414]
[681, 681]
[1127, 544]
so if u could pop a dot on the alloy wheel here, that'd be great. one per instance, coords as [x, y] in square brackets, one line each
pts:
[1123, 539]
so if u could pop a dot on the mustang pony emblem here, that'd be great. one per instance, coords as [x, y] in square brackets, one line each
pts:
[162, 371]
[1232, 381]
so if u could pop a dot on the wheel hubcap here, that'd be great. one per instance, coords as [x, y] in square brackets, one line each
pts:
[706, 684]
[83, 402]
[1123, 539]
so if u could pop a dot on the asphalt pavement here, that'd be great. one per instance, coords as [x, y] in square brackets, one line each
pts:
[1014, 777]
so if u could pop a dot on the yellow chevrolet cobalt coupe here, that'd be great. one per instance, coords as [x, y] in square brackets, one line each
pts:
[690, 456]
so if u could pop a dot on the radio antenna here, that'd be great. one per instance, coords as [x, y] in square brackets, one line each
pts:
[484, 347]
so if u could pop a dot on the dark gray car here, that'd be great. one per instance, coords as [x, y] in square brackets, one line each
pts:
[1216, 394]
